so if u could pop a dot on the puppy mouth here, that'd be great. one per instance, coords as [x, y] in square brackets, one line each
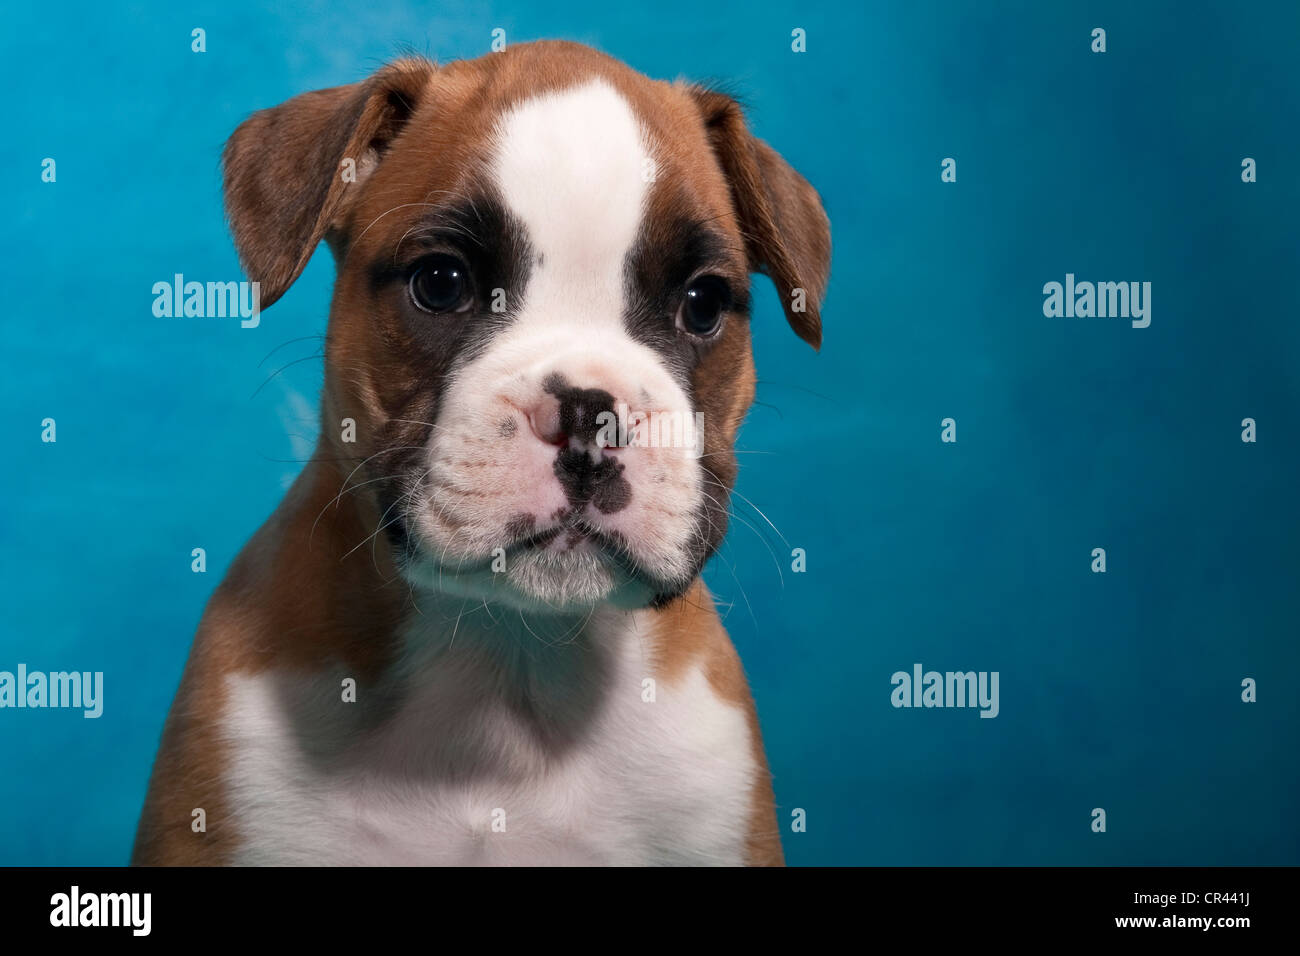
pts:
[571, 564]
[574, 545]
[567, 536]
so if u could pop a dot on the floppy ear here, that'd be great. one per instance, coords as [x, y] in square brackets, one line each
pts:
[787, 234]
[286, 182]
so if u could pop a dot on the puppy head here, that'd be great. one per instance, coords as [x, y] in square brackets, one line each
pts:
[541, 319]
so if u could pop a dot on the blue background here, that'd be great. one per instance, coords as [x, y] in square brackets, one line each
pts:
[1118, 690]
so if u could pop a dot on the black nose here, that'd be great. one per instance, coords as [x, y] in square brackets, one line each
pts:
[585, 480]
[581, 410]
[587, 471]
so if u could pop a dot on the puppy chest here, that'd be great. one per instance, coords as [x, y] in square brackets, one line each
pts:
[457, 775]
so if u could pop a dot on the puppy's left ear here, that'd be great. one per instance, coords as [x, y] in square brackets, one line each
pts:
[787, 234]
[287, 181]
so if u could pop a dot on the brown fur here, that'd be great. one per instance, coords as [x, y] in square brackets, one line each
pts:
[291, 600]
[690, 635]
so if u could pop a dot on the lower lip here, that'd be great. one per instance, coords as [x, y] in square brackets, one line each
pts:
[567, 541]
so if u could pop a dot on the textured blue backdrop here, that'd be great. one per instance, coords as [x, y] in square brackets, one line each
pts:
[1118, 690]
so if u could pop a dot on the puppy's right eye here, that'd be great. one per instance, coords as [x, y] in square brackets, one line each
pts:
[442, 284]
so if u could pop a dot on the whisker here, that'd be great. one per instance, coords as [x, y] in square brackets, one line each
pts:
[276, 373]
[301, 338]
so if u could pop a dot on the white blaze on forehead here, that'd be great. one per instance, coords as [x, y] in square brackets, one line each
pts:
[574, 168]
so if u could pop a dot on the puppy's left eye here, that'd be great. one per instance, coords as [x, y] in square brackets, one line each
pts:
[442, 284]
[707, 299]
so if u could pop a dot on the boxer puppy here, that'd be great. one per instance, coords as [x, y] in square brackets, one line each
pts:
[474, 632]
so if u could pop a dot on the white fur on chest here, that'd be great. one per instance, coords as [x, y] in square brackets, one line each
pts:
[481, 753]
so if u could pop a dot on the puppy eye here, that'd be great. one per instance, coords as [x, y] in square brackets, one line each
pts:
[707, 299]
[442, 284]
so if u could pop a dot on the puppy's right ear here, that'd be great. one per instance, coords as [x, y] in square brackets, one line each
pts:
[284, 167]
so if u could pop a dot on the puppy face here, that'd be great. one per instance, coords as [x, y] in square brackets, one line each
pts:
[541, 319]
